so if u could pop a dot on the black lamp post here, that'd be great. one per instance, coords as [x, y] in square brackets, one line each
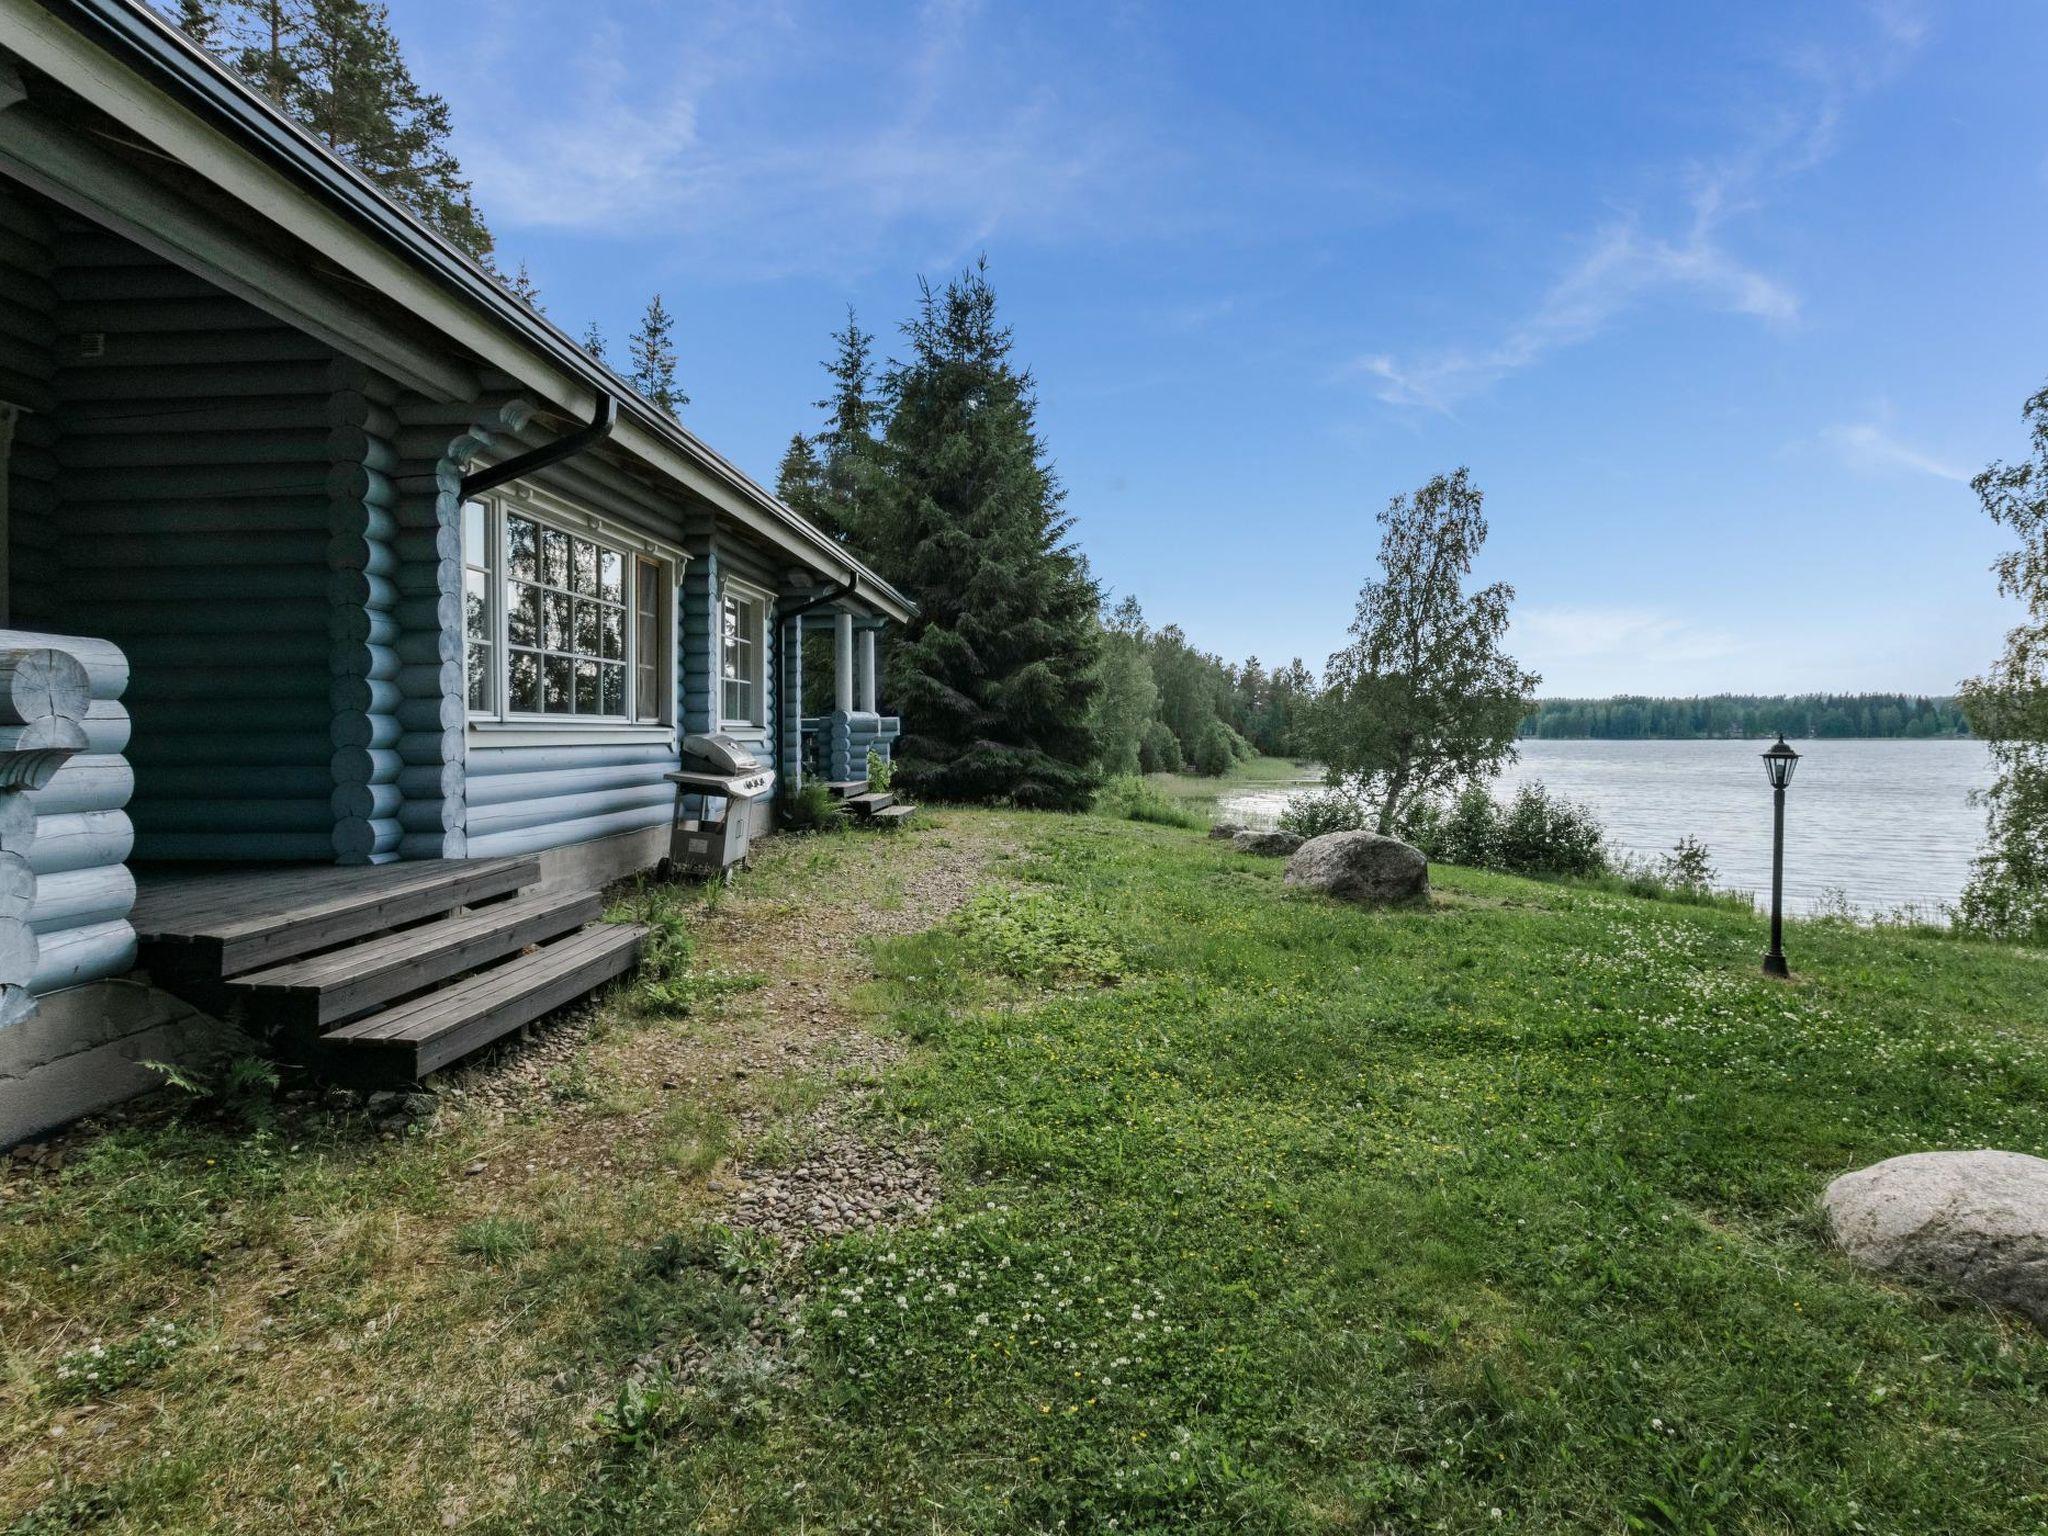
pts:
[1779, 762]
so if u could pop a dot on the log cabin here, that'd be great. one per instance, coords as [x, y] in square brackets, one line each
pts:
[352, 616]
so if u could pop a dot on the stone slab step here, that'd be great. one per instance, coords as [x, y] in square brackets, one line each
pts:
[869, 804]
[893, 815]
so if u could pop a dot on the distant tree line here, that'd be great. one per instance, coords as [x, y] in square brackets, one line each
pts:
[1167, 707]
[1739, 715]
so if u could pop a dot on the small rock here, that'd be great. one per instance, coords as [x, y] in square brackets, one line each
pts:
[1976, 1221]
[473, 1170]
[1275, 844]
[1223, 831]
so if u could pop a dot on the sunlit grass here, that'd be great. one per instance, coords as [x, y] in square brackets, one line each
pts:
[1262, 1214]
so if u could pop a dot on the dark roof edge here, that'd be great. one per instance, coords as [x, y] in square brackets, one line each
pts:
[154, 48]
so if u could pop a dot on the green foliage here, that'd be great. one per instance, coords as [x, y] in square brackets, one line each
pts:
[652, 351]
[996, 673]
[1688, 867]
[646, 1411]
[336, 67]
[98, 1369]
[1800, 716]
[1215, 753]
[1537, 833]
[1159, 749]
[240, 1092]
[881, 769]
[1423, 698]
[810, 809]
[2007, 894]
[1330, 810]
[1129, 798]
[495, 1239]
[1031, 935]
[1124, 703]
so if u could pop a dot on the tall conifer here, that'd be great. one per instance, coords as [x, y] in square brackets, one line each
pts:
[653, 352]
[995, 674]
[335, 66]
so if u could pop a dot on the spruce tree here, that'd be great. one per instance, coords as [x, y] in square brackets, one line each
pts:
[849, 472]
[797, 478]
[653, 353]
[335, 66]
[996, 673]
[526, 290]
[594, 343]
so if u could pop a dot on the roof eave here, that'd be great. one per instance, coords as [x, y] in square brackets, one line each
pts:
[543, 358]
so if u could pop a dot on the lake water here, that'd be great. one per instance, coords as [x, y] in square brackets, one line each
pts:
[1888, 824]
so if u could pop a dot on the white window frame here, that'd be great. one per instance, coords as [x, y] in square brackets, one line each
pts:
[505, 726]
[733, 590]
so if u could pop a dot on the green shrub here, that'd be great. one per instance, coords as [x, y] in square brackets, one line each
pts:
[1546, 834]
[1536, 833]
[1159, 749]
[1130, 798]
[881, 770]
[1329, 810]
[810, 809]
[1214, 755]
[1688, 867]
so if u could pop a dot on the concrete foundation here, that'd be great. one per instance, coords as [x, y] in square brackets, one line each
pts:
[82, 1051]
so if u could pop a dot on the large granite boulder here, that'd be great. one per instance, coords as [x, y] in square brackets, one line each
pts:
[1974, 1221]
[1276, 845]
[1225, 830]
[1360, 866]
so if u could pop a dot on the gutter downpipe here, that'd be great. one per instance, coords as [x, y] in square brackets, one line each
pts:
[604, 415]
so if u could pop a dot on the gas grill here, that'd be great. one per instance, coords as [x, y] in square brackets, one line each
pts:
[722, 794]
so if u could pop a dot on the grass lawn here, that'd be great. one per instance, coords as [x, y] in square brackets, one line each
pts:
[1259, 1214]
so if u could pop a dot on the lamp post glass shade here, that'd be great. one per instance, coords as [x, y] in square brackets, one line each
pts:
[1779, 762]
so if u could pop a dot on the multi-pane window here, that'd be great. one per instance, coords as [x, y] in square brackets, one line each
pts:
[740, 655]
[576, 626]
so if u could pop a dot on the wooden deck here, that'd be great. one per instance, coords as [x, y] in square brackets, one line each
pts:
[380, 973]
[231, 921]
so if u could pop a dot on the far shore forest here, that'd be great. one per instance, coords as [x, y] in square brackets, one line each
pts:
[1741, 716]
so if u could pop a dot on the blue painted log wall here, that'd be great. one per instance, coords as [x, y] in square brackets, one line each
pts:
[220, 491]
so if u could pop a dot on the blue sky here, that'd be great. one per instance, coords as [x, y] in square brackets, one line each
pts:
[1721, 304]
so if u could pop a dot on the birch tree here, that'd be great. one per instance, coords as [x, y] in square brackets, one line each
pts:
[1424, 698]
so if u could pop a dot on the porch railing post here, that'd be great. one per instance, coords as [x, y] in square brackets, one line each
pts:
[867, 671]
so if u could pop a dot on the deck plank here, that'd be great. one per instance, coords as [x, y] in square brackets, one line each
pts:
[340, 984]
[428, 1033]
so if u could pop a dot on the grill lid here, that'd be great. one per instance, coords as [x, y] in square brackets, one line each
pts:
[716, 752]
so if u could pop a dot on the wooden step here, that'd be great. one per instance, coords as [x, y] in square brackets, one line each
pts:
[841, 788]
[340, 984]
[235, 924]
[893, 815]
[423, 1035]
[868, 804]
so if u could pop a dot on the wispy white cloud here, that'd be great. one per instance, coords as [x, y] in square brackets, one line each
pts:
[1601, 650]
[1870, 448]
[1628, 261]
[716, 129]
